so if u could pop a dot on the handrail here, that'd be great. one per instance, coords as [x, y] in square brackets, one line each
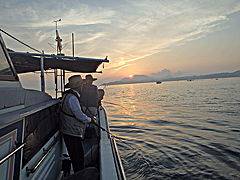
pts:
[11, 153]
[45, 154]
[118, 159]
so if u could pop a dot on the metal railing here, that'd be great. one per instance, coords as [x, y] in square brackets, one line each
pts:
[44, 156]
[11, 153]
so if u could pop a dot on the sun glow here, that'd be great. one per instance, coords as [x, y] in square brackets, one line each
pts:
[130, 76]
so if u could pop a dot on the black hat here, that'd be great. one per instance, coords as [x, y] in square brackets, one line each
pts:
[89, 77]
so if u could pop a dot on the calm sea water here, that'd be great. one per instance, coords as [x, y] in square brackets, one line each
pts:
[178, 130]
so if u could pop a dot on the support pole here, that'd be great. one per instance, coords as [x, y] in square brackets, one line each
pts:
[73, 44]
[64, 80]
[61, 80]
[56, 83]
[42, 73]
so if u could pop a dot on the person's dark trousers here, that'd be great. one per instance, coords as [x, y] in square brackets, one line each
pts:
[75, 150]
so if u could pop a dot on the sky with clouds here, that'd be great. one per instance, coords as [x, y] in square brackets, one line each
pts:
[138, 36]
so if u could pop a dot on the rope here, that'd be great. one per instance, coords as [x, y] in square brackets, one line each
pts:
[20, 41]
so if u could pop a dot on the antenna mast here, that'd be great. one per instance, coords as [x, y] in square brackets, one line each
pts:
[59, 52]
[58, 39]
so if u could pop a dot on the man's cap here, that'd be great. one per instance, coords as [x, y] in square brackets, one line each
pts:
[74, 81]
[89, 77]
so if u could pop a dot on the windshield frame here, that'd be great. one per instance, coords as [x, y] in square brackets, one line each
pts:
[13, 76]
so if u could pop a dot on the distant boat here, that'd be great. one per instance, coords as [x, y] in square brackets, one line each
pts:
[158, 82]
[189, 80]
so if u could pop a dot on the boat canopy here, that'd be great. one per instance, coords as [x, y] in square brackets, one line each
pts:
[30, 62]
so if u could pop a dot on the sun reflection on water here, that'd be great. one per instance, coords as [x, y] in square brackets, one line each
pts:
[177, 127]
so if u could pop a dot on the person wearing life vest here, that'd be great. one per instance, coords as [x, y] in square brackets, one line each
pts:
[73, 122]
[89, 96]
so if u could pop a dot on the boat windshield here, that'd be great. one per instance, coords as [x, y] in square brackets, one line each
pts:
[6, 71]
[4, 66]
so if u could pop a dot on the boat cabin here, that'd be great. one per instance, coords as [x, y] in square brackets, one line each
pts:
[31, 146]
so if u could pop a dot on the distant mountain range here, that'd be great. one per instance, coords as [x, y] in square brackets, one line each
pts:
[166, 75]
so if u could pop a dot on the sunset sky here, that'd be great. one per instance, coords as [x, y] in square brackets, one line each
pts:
[138, 36]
